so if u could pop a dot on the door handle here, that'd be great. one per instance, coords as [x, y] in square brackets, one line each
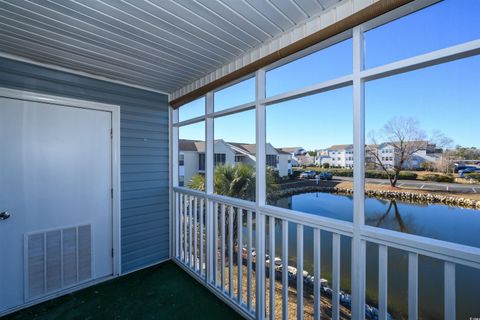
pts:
[4, 215]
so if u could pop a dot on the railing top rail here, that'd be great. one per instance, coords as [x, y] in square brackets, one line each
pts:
[188, 191]
[443, 250]
[244, 204]
[310, 220]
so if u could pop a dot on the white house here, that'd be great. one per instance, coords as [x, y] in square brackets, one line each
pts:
[299, 155]
[192, 157]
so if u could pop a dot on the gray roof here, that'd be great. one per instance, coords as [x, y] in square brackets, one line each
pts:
[199, 146]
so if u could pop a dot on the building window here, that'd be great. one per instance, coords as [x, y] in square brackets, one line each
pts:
[201, 161]
[272, 160]
[219, 159]
[238, 158]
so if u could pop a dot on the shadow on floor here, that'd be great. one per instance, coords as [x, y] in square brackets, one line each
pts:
[160, 292]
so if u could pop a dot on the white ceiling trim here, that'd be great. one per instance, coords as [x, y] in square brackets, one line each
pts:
[341, 10]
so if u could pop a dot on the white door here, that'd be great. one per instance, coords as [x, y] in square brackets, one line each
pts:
[55, 184]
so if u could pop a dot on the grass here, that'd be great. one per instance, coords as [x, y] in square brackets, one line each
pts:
[161, 292]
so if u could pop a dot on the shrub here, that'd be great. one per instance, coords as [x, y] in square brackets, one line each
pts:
[406, 175]
[438, 178]
[473, 175]
[326, 165]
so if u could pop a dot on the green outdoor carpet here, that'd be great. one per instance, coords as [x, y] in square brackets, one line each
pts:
[160, 292]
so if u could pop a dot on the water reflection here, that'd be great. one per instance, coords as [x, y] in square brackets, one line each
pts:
[430, 220]
[391, 215]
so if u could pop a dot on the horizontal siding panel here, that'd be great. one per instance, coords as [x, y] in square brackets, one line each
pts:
[155, 192]
[143, 185]
[145, 227]
[139, 211]
[131, 151]
[161, 160]
[144, 118]
[138, 253]
[140, 202]
[145, 134]
[142, 142]
[137, 177]
[143, 168]
[159, 254]
[141, 126]
[144, 152]
[144, 242]
[147, 217]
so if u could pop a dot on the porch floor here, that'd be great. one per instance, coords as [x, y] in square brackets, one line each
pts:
[160, 292]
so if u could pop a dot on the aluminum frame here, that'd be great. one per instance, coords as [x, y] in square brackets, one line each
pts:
[450, 253]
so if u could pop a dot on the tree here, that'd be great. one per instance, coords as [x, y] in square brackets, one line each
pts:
[406, 139]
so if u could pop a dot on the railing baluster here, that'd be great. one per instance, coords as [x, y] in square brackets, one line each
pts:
[190, 233]
[201, 236]
[180, 227]
[336, 276]
[222, 246]
[316, 272]
[230, 252]
[196, 264]
[184, 229]
[177, 225]
[271, 251]
[382, 281]
[249, 260]
[260, 265]
[450, 298]
[284, 269]
[239, 254]
[299, 271]
[215, 244]
[412, 286]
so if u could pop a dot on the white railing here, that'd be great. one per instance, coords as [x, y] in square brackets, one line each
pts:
[242, 254]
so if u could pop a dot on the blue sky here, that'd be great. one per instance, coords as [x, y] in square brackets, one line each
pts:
[444, 97]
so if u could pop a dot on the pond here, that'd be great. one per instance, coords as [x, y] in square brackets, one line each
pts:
[437, 221]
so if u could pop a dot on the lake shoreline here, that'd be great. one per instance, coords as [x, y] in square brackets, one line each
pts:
[401, 195]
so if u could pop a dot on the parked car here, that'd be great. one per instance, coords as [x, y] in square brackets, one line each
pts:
[324, 176]
[462, 173]
[460, 167]
[309, 174]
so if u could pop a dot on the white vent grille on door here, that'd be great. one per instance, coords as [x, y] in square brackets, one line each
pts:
[57, 259]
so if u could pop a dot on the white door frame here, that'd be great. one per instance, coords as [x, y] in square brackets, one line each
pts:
[115, 112]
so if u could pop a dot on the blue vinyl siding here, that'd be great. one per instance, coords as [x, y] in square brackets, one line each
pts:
[144, 152]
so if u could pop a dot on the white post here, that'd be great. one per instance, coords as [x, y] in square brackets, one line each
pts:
[174, 212]
[211, 236]
[260, 193]
[358, 245]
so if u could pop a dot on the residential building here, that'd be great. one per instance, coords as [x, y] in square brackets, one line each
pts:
[300, 156]
[192, 157]
[388, 154]
[342, 155]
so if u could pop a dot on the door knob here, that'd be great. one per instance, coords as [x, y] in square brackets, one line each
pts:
[4, 215]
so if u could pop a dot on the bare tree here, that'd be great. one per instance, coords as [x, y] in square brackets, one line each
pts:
[406, 139]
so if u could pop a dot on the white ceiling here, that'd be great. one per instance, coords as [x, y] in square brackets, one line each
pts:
[157, 44]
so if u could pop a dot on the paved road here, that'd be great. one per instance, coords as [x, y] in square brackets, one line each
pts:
[424, 185]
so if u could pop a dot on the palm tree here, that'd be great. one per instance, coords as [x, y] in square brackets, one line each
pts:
[237, 181]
